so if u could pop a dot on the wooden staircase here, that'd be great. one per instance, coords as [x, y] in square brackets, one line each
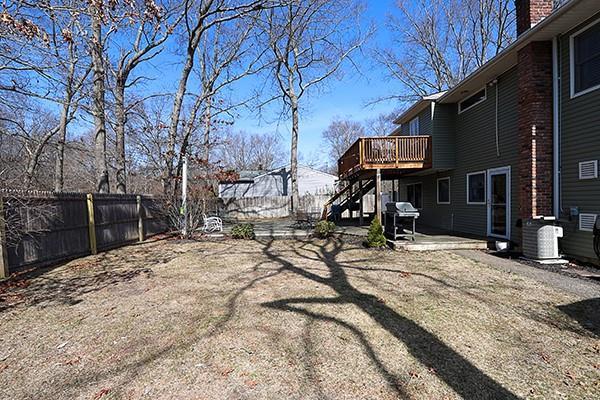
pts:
[352, 196]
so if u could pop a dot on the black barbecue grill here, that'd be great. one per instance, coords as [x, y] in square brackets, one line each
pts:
[398, 217]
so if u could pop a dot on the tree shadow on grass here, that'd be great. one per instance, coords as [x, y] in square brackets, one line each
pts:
[586, 313]
[455, 370]
[50, 286]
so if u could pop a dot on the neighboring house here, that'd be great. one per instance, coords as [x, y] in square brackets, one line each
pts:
[277, 182]
[518, 138]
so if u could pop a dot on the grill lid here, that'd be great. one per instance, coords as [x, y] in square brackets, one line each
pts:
[401, 207]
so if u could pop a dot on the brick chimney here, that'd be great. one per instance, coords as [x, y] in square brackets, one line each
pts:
[535, 130]
[530, 12]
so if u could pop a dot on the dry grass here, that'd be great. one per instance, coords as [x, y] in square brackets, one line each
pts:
[290, 320]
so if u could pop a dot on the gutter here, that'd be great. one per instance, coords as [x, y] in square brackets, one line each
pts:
[556, 78]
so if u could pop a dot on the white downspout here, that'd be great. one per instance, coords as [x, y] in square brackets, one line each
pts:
[556, 127]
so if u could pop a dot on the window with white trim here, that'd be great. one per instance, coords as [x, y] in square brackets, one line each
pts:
[443, 191]
[585, 60]
[414, 194]
[476, 187]
[413, 127]
[472, 100]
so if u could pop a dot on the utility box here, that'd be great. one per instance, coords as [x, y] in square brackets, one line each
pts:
[540, 238]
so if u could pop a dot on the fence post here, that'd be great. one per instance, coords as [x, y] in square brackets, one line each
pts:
[140, 212]
[91, 224]
[4, 271]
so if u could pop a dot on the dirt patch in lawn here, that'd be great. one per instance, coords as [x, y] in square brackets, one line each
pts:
[291, 319]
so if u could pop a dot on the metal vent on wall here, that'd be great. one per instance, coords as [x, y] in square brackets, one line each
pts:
[588, 169]
[586, 222]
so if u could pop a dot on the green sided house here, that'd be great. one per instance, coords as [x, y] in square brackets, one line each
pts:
[518, 138]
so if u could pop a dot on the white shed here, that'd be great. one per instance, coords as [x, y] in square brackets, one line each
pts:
[277, 182]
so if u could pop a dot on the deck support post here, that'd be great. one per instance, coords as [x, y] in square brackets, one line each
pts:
[91, 224]
[394, 199]
[351, 195]
[140, 213]
[378, 194]
[361, 203]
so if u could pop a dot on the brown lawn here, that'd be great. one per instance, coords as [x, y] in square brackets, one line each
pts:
[290, 320]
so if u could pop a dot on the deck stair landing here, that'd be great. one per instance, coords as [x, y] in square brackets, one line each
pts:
[438, 242]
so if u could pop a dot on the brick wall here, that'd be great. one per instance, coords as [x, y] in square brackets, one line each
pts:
[535, 129]
[530, 12]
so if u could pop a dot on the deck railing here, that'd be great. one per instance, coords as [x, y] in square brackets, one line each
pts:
[386, 153]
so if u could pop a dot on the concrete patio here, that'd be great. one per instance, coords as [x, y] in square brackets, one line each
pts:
[427, 238]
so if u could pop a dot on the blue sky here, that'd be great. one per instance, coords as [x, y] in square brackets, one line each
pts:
[347, 97]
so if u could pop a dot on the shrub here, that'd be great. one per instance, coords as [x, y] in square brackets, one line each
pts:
[243, 231]
[375, 237]
[324, 229]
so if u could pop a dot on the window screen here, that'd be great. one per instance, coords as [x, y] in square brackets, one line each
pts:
[586, 59]
[476, 188]
[414, 194]
[414, 127]
[443, 190]
[471, 101]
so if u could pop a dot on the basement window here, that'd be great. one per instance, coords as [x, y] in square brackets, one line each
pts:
[585, 60]
[472, 100]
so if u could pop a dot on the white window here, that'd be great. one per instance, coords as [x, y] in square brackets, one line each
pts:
[413, 127]
[472, 100]
[414, 195]
[476, 187]
[585, 60]
[588, 169]
[443, 191]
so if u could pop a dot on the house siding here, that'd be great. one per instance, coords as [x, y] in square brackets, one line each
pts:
[424, 124]
[440, 128]
[444, 140]
[474, 150]
[580, 141]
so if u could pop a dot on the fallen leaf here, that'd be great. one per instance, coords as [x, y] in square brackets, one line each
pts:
[72, 361]
[251, 384]
[101, 393]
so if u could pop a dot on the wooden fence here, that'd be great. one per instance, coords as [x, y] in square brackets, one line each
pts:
[53, 227]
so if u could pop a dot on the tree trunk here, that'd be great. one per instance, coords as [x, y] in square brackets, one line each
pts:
[294, 152]
[175, 116]
[101, 165]
[35, 157]
[207, 126]
[121, 119]
[59, 170]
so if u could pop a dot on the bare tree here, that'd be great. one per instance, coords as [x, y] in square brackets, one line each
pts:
[151, 31]
[239, 150]
[199, 17]
[381, 125]
[340, 135]
[437, 43]
[310, 41]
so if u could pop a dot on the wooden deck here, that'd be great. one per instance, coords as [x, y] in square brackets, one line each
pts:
[400, 153]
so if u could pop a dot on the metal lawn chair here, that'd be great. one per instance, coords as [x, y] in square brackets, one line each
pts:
[212, 224]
